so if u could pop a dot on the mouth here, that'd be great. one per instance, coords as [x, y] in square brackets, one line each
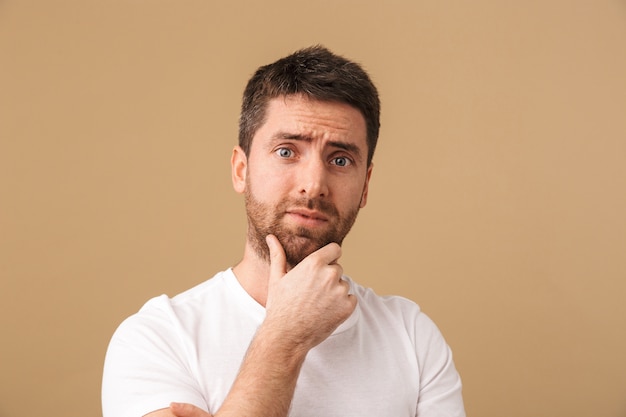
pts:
[307, 217]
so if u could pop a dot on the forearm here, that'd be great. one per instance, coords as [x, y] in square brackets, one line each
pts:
[267, 378]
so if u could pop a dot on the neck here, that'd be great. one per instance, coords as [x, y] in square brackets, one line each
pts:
[253, 274]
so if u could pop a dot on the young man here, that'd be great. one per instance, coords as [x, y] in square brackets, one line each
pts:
[284, 332]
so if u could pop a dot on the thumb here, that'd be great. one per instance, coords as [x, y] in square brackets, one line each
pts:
[278, 260]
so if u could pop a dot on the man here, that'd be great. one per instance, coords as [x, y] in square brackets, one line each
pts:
[284, 332]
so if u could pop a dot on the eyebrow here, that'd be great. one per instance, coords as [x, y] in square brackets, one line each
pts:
[346, 146]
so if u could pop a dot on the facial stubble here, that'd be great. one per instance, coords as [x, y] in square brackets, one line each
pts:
[298, 242]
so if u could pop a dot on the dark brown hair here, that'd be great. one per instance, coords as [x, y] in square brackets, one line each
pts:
[318, 74]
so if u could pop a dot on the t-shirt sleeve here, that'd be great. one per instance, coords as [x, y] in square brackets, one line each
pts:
[440, 383]
[148, 365]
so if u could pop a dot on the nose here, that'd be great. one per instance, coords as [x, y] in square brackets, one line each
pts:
[313, 179]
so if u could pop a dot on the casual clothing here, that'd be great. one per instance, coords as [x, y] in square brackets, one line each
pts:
[387, 359]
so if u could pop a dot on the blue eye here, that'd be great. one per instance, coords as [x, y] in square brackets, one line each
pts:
[284, 152]
[341, 161]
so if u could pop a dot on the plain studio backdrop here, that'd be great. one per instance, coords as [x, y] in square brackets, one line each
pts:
[497, 202]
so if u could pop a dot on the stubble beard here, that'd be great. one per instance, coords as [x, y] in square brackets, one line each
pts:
[298, 242]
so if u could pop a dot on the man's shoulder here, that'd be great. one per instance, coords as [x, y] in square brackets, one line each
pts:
[369, 298]
[163, 310]
[207, 288]
[396, 310]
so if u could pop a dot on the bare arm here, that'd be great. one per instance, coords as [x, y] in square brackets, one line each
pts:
[304, 307]
[180, 410]
[265, 383]
[264, 386]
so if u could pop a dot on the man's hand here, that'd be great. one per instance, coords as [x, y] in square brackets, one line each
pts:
[310, 301]
[187, 410]
[304, 306]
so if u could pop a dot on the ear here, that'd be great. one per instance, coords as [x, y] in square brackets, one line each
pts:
[239, 169]
[366, 186]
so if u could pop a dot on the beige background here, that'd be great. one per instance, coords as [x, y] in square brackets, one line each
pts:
[498, 200]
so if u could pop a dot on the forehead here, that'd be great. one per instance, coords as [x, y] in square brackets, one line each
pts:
[314, 119]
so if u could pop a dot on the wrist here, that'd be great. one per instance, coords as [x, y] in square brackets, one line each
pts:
[279, 342]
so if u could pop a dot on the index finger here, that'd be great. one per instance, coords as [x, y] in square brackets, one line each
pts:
[278, 259]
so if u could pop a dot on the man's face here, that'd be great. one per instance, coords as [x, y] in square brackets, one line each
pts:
[306, 176]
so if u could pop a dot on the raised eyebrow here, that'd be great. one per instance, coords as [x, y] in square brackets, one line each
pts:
[291, 136]
[347, 146]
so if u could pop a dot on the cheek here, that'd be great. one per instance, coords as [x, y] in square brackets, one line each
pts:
[348, 199]
[266, 187]
[355, 195]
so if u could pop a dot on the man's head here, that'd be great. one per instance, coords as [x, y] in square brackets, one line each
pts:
[308, 131]
[318, 74]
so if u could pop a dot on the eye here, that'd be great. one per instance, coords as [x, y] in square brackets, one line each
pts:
[341, 161]
[284, 152]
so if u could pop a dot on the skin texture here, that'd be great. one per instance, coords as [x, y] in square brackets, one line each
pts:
[305, 179]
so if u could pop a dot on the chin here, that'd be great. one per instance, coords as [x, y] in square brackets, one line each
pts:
[299, 247]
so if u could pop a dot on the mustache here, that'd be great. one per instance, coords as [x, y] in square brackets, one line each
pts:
[323, 206]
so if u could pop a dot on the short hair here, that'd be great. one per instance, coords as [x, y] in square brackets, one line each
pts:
[319, 74]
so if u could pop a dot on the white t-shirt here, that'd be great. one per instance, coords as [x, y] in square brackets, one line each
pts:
[387, 359]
